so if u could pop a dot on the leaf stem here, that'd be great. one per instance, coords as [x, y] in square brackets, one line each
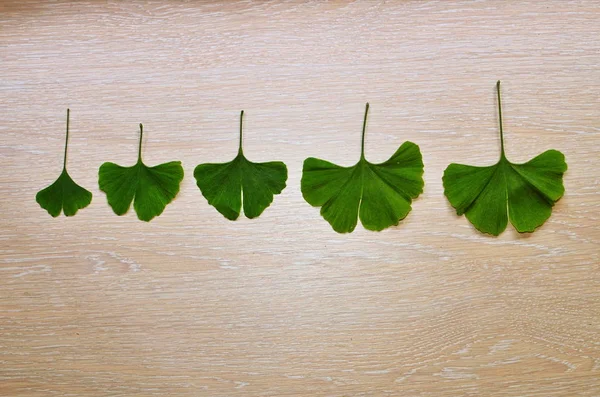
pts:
[66, 142]
[362, 145]
[240, 150]
[140, 145]
[502, 154]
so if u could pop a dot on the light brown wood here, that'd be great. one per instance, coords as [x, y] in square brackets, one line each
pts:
[192, 304]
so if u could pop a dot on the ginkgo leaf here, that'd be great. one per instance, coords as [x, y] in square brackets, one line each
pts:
[64, 194]
[227, 185]
[380, 194]
[150, 188]
[490, 196]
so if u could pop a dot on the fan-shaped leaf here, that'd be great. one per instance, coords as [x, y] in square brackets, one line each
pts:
[227, 185]
[64, 194]
[522, 193]
[150, 188]
[380, 194]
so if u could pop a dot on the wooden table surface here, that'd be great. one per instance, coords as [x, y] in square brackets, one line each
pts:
[192, 304]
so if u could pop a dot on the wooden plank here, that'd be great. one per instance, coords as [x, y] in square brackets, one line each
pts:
[193, 304]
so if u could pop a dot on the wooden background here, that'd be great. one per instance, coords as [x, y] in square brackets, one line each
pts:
[193, 304]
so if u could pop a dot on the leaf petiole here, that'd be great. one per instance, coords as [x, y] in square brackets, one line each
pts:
[362, 146]
[140, 145]
[502, 154]
[240, 150]
[66, 143]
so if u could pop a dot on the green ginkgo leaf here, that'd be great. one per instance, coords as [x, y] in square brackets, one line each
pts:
[490, 196]
[227, 185]
[380, 194]
[150, 188]
[64, 194]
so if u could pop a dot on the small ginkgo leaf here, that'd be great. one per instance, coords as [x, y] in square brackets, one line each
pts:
[490, 196]
[380, 194]
[227, 185]
[150, 188]
[64, 194]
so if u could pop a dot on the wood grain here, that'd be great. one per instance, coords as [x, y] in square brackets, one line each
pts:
[192, 304]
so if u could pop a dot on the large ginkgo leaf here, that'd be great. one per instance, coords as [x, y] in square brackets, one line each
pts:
[522, 193]
[379, 194]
